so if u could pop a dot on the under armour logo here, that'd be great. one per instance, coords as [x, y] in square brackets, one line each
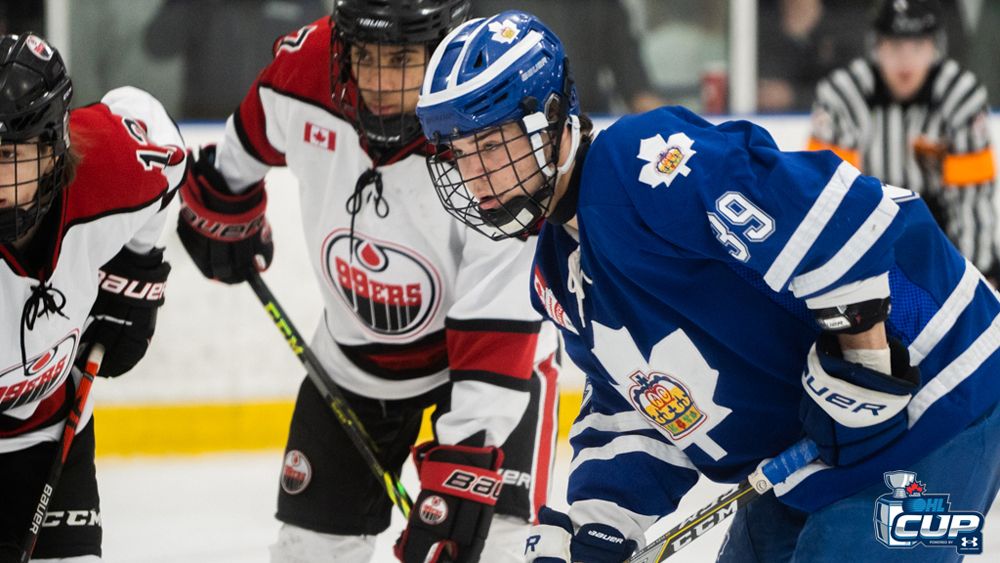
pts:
[970, 542]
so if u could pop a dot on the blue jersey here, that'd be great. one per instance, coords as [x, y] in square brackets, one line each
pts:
[685, 298]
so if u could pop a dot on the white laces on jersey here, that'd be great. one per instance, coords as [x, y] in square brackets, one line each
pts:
[576, 282]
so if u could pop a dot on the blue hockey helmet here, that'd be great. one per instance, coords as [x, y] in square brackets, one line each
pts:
[489, 74]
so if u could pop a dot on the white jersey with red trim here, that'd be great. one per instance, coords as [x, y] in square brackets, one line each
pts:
[132, 161]
[412, 298]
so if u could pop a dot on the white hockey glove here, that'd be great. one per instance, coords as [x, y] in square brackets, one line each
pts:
[849, 410]
[552, 540]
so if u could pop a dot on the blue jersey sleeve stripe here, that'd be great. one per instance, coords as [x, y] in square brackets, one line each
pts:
[628, 421]
[812, 225]
[657, 449]
[956, 372]
[853, 251]
[945, 317]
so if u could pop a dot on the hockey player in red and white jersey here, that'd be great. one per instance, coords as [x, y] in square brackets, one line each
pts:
[419, 311]
[82, 194]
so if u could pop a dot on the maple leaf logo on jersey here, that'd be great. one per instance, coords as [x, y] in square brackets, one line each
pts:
[665, 159]
[393, 290]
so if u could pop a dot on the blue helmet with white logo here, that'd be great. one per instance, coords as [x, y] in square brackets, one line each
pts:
[487, 74]
[484, 71]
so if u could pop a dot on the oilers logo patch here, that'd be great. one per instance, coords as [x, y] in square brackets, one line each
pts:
[667, 402]
[433, 510]
[45, 372]
[392, 290]
[295, 473]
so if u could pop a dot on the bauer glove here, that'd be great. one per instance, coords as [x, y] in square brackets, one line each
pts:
[459, 486]
[123, 317]
[553, 540]
[851, 411]
[226, 234]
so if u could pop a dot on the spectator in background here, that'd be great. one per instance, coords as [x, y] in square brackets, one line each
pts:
[601, 41]
[220, 43]
[916, 119]
[799, 42]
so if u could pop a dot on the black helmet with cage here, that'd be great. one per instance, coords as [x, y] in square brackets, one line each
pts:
[379, 25]
[35, 92]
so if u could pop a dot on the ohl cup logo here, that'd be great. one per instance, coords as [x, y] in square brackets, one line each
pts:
[45, 372]
[909, 516]
[393, 290]
[667, 402]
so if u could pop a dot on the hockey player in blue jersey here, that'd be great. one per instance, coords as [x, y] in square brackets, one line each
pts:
[725, 299]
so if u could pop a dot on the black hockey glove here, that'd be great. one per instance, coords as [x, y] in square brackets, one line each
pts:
[459, 486]
[850, 411]
[123, 317]
[226, 234]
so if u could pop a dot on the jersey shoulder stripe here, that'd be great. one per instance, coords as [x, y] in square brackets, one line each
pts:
[120, 169]
[300, 64]
[300, 70]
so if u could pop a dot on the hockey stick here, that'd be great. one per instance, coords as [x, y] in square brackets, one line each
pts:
[324, 383]
[65, 442]
[756, 484]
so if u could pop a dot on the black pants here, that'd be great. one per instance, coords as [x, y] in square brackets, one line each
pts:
[73, 525]
[327, 487]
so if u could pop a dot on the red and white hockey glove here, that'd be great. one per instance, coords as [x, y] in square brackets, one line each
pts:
[849, 410]
[451, 517]
[226, 234]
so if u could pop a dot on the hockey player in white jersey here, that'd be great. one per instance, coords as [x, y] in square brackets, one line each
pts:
[82, 194]
[726, 300]
[417, 310]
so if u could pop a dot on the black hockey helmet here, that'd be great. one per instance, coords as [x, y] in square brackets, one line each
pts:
[908, 18]
[382, 23]
[35, 92]
[398, 21]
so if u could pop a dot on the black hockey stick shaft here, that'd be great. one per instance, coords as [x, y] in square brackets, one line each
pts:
[65, 442]
[331, 393]
[758, 483]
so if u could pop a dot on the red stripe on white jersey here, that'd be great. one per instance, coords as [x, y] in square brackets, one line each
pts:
[506, 353]
[545, 435]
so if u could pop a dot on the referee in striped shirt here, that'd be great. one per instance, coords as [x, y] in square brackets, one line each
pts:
[916, 119]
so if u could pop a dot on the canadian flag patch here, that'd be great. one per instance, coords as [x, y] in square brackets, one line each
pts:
[320, 136]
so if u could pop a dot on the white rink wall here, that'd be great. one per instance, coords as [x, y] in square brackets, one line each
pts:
[215, 344]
